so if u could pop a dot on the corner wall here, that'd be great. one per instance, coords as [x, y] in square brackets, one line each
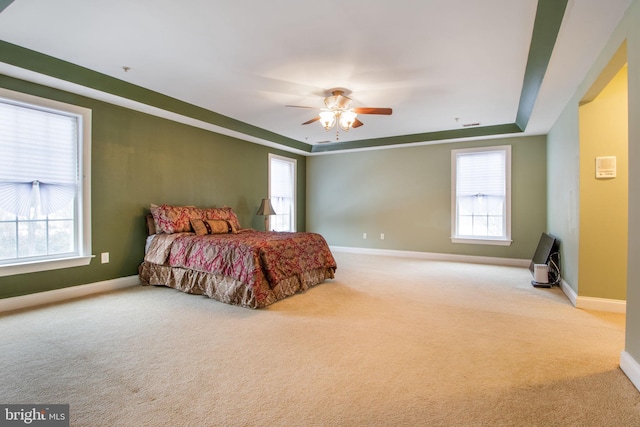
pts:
[563, 173]
[604, 128]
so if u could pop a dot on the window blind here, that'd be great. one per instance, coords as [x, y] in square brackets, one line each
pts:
[481, 173]
[282, 193]
[281, 179]
[39, 162]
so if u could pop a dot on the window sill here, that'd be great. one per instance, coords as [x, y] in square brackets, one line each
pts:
[480, 241]
[35, 266]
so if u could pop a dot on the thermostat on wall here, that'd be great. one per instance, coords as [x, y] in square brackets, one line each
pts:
[606, 167]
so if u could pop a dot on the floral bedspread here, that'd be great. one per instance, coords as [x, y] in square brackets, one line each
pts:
[249, 256]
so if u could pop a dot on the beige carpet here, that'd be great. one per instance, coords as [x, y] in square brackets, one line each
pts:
[390, 341]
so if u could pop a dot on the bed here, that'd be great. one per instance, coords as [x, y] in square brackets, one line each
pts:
[206, 252]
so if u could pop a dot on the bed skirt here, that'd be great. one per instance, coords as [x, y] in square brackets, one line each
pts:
[229, 290]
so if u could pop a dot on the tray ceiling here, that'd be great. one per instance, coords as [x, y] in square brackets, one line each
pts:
[449, 69]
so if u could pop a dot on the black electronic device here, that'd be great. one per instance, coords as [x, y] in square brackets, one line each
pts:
[547, 254]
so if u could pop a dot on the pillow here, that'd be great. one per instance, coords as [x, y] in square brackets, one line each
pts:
[173, 219]
[211, 226]
[224, 213]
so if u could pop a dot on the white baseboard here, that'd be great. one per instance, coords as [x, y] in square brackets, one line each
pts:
[631, 368]
[57, 295]
[569, 292]
[602, 304]
[511, 262]
[592, 303]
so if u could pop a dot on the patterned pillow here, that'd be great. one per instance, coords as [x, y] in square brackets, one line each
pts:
[174, 219]
[211, 226]
[225, 213]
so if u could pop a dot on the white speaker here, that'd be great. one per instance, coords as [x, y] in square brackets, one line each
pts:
[541, 273]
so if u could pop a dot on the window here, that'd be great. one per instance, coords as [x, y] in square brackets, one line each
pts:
[282, 192]
[481, 195]
[44, 184]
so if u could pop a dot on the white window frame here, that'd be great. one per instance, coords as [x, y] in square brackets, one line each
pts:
[294, 162]
[83, 214]
[504, 240]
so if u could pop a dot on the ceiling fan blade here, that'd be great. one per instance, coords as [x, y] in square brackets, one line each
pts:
[300, 106]
[366, 110]
[356, 123]
[315, 119]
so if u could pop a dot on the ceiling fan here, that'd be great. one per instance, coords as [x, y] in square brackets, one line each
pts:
[338, 110]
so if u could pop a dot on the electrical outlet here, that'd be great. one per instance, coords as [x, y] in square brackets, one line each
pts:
[364, 235]
[104, 257]
[381, 236]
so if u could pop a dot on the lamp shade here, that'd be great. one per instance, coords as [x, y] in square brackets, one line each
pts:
[327, 119]
[266, 208]
[347, 118]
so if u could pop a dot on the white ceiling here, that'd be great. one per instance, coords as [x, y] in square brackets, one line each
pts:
[432, 61]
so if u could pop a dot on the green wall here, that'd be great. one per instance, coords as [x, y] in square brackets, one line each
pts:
[139, 159]
[405, 193]
[563, 195]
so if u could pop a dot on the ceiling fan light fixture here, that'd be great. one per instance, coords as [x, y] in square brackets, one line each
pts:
[331, 102]
[337, 100]
[347, 119]
[327, 119]
[338, 110]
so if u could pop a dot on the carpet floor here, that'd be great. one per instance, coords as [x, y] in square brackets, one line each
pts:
[389, 341]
